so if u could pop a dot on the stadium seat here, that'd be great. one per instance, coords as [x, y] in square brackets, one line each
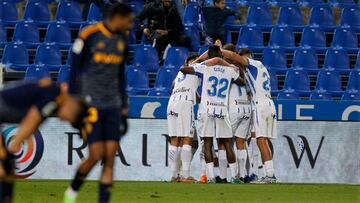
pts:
[322, 16]
[137, 80]
[191, 16]
[59, 34]
[357, 65]
[282, 37]
[305, 58]
[231, 25]
[281, 3]
[193, 33]
[259, 15]
[147, 56]
[27, 33]
[351, 96]
[345, 38]
[94, 14]
[205, 48]
[351, 17]
[158, 93]
[291, 16]
[311, 3]
[15, 56]
[3, 35]
[69, 12]
[137, 6]
[354, 80]
[9, 13]
[320, 95]
[313, 37]
[338, 59]
[273, 83]
[165, 77]
[251, 37]
[298, 80]
[64, 75]
[37, 12]
[274, 59]
[288, 95]
[175, 57]
[36, 72]
[329, 80]
[49, 55]
[343, 3]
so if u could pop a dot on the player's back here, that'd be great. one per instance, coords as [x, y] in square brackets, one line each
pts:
[237, 96]
[185, 87]
[258, 80]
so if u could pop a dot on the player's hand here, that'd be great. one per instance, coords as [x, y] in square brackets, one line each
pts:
[123, 120]
[162, 32]
[14, 146]
[147, 32]
[218, 43]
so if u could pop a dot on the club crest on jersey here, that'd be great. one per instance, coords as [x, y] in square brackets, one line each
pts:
[100, 45]
[120, 46]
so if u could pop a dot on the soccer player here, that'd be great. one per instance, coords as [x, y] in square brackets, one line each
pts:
[30, 103]
[180, 116]
[215, 90]
[97, 73]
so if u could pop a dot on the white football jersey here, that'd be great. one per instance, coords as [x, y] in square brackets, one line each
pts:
[258, 80]
[185, 87]
[237, 98]
[215, 87]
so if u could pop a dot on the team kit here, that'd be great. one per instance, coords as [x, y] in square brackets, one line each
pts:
[235, 110]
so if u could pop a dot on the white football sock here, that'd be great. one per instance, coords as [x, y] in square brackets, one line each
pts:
[202, 163]
[173, 161]
[255, 157]
[223, 163]
[233, 169]
[210, 170]
[186, 157]
[269, 168]
[241, 157]
[71, 193]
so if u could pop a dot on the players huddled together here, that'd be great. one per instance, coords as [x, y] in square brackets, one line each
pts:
[235, 109]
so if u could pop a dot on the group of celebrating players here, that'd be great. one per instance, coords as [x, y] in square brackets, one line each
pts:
[235, 106]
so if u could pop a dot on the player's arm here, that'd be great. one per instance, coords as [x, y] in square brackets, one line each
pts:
[217, 61]
[198, 98]
[235, 57]
[27, 127]
[187, 70]
[201, 58]
[239, 81]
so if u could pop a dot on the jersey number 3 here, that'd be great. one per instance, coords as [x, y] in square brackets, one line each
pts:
[218, 87]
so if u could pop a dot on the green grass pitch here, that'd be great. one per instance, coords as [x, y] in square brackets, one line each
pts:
[159, 192]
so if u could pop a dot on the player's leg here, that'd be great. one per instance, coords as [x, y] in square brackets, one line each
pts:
[208, 145]
[241, 156]
[223, 162]
[7, 178]
[186, 157]
[173, 150]
[254, 159]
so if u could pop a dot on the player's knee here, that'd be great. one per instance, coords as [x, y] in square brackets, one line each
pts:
[174, 141]
[261, 141]
[240, 143]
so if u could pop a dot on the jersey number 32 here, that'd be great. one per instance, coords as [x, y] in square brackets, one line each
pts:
[218, 87]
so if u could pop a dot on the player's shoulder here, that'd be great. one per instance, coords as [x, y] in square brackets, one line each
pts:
[89, 30]
[254, 62]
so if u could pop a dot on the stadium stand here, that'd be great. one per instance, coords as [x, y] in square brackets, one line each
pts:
[306, 59]
[48, 55]
[274, 59]
[288, 95]
[298, 80]
[15, 56]
[9, 13]
[59, 34]
[36, 72]
[147, 56]
[329, 80]
[175, 57]
[313, 37]
[320, 95]
[63, 76]
[250, 37]
[27, 33]
[38, 12]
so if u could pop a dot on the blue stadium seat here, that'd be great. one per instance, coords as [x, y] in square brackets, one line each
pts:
[37, 12]
[231, 25]
[274, 59]
[137, 6]
[15, 56]
[307, 59]
[282, 3]
[158, 93]
[282, 37]
[259, 15]
[288, 95]
[205, 48]
[351, 17]
[345, 38]
[251, 37]
[9, 13]
[354, 80]
[357, 65]
[291, 16]
[94, 14]
[329, 80]
[59, 34]
[36, 72]
[3, 35]
[320, 95]
[175, 57]
[311, 3]
[147, 56]
[337, 59]
[27, 33]
[165, 77]
[351, 96]
[64, 74]
[49, 55]
[191, 16]
[313, 37]
[322, 16]
[274, 83]
[343, 3]
[298, 80]
[193, 33]
[137, 80]
[69, 12]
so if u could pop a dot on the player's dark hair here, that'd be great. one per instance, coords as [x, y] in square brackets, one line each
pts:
[244, 51]
[214, 51]
[191, 58]
[119, 9]
[230, 47]
[216, 1]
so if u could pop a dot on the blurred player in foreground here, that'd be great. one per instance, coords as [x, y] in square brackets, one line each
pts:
[30, 103]
[97, 73]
